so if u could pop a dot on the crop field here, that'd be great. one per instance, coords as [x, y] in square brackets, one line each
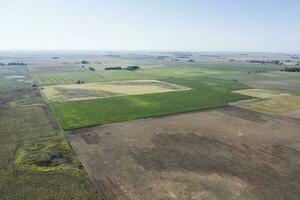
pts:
[226, 153]
[36, 162]
[107, 89]
[289, 105]
[272, 80]
[204, 93]
[61, 78]
[261, 93]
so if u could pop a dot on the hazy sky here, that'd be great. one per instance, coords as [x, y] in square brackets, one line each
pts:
[192, 25]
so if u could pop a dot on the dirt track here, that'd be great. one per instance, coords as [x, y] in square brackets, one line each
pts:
[227, 153]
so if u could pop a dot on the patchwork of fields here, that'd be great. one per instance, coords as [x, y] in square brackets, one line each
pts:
[61, 78]
[215, 152]
[204, 93]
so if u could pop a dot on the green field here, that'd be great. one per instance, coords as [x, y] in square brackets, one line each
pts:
[272, 78]
[61, 78]
[205, 93]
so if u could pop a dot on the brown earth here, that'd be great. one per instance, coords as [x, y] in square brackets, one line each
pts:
[226, 153]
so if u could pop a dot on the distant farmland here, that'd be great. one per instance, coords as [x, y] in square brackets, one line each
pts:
[61, 78]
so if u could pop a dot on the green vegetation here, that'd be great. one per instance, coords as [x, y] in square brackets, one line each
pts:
[205, 93]
[246, 73]
[47, 155]
[36, 162]
[62, 78]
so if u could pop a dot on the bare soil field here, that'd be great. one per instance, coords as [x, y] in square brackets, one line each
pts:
[225, 153]
[107, 89]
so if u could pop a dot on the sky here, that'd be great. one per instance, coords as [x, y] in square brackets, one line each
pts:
[164, 25]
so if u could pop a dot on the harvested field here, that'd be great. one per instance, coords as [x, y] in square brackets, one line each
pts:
[107, 89]
[288, 105]
[261, 93]
[225, 153]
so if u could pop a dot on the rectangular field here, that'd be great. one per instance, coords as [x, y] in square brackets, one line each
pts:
[287, 105]
[261, 93]
[204, 93]
[107, 89]
[226, 153]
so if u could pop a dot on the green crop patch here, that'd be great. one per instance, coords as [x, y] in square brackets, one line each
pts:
[47, 155]
[204, 93]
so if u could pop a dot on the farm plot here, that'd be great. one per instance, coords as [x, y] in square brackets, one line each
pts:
[261, 93]
[107, 89]
[288, 105]
[204, 93]
[271, 80]
[226, 153]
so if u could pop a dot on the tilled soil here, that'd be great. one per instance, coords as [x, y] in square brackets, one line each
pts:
[226, 153]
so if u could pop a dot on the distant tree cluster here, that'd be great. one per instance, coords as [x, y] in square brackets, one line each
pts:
[275, 62]
[84, 62]
[16, 63]
[2, 64]
[92, 69]
[80, 82]
[291, 69]
[191, 60]
[257, 71]
[113, 68]
[132, 68]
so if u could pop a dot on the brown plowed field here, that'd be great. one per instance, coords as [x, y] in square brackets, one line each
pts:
[226, 153]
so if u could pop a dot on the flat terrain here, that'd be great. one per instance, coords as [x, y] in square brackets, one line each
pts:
[261, 93]
[36, 162]
[226, 153]
[204, 93]
[247, 151]
[289, 106]
[107, 89]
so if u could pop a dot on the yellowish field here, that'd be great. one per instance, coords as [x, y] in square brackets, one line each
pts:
[107, 89]
[287, 105]
[261, 93]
